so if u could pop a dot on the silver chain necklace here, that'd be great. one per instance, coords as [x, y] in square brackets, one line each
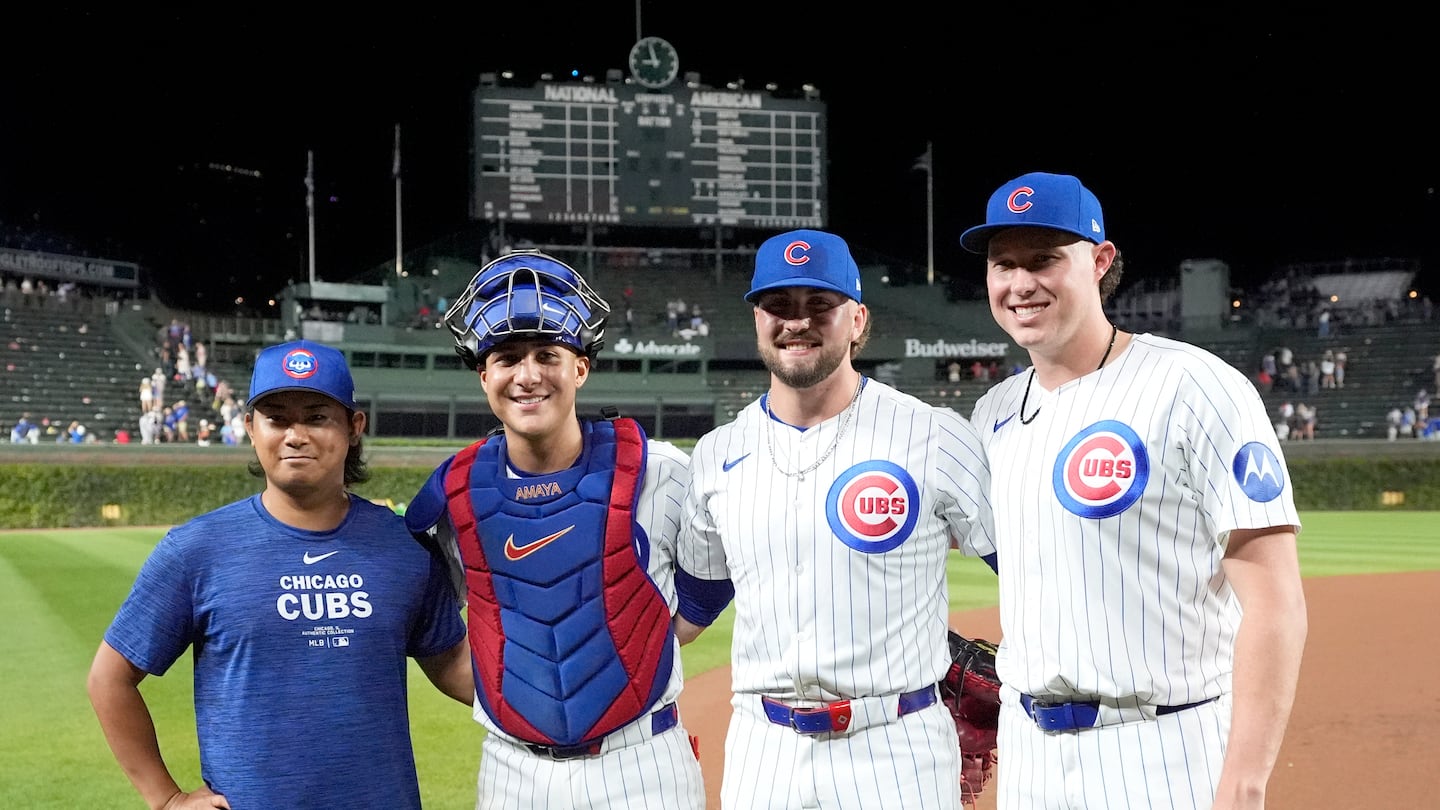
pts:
[839, 432]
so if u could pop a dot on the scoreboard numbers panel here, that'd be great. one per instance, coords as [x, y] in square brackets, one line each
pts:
[563, 152]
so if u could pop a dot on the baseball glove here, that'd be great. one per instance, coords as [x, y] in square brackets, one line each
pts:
[971, 691]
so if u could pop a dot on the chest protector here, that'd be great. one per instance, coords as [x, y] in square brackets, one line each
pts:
[570, 637]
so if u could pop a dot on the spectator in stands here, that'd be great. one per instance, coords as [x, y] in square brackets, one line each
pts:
[1322, 322]
[1290, 379]
[1264, 381]
[1327, 369]
[150, 427]
[221, 392]
[1341, 358]
[180, 420]
[1286, 415]
[147, 395]
[952, 371]
[1408, 422]
[25, 431]
[672, 316]
[1312, 377]
[157, 385]
[1305, 416]
[1435, 370]
[1422, 406]
[1392, 423]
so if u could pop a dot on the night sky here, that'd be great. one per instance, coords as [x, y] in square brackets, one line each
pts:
[179, 141]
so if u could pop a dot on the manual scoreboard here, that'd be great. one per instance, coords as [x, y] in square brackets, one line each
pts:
[623, 154]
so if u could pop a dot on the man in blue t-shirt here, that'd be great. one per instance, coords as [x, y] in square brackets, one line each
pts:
[301, 605]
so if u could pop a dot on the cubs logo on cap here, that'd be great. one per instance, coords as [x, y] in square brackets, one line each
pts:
[302, 365]
[805, 258]
[1039, 200]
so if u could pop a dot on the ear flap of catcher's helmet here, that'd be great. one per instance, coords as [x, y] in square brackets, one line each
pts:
[526, 294]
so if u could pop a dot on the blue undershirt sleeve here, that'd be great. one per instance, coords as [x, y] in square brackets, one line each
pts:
[701, 601]
[993, 561]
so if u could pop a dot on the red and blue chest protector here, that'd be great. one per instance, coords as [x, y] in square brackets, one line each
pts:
[570, 637]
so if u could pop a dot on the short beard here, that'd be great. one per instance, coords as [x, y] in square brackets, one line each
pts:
[802, 378]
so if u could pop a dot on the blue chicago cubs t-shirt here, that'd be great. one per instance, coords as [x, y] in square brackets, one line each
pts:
[300, 641]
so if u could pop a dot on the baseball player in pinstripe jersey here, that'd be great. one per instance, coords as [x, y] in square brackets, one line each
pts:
[827, 509]
[1150, 600]
[561, 532]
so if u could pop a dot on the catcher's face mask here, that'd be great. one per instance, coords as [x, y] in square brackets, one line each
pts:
[531, 295]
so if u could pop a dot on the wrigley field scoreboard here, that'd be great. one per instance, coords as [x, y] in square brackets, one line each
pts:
[625, 154]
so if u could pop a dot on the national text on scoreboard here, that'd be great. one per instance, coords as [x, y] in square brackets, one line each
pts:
[562, 152]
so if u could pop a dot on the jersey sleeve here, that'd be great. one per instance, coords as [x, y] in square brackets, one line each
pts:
[963, 472]
[156, 622]
[662, 496]
[700, 551]
[439, 625]
[702, 578]
[1236, 464]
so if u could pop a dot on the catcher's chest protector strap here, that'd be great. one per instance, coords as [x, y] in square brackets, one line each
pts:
[571, 638]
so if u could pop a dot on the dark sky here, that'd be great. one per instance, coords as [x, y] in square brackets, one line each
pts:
[1257, 140]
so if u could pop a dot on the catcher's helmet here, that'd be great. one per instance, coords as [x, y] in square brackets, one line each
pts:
[526, 294]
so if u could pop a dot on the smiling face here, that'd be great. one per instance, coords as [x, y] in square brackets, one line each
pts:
[531, 386]
[1044, 287]
[804, 333]
[301, 439]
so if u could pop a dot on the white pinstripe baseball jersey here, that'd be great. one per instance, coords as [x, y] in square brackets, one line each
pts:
[840, 586]
[634, 769]
[1112, 509]
[841, 594]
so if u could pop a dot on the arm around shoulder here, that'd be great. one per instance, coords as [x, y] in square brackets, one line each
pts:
[451, 672]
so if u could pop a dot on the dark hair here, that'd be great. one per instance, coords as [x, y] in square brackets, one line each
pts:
[1111, 280]
[357, 471]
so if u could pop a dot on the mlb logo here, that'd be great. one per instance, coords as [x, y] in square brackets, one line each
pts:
[340, 641]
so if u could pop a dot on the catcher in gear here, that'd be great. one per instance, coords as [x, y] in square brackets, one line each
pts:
[971, 691]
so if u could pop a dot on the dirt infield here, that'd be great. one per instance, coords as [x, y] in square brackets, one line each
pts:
[1366, 724]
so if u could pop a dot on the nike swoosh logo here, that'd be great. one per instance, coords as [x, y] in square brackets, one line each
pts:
[514, 552]
[308, 560]
[999, 423]
[729, 465]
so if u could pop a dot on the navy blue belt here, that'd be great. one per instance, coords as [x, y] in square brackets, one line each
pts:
[1078, 714]
[661, 720]
[838, 716]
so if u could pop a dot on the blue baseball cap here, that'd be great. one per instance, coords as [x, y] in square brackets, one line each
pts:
[805, 259]
[1039, 200]
[302, 365]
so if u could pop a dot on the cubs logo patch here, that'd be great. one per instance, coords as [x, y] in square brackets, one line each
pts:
[1102, 471]
[873, 506]
[300, 364]
[1257, 471]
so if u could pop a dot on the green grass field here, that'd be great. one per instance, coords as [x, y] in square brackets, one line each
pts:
[59, 589]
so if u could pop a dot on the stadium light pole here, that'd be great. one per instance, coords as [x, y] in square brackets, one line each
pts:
[310, 206]
[925, 163]
[399, 245]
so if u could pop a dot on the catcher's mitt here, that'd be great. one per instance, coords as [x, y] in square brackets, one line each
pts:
[971, 691]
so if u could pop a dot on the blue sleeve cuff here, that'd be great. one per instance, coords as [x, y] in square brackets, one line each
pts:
[993, 561]
[701, 601]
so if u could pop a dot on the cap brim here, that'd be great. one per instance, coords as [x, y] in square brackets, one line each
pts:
[253, 400]
[977, 239]
[797, 281]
